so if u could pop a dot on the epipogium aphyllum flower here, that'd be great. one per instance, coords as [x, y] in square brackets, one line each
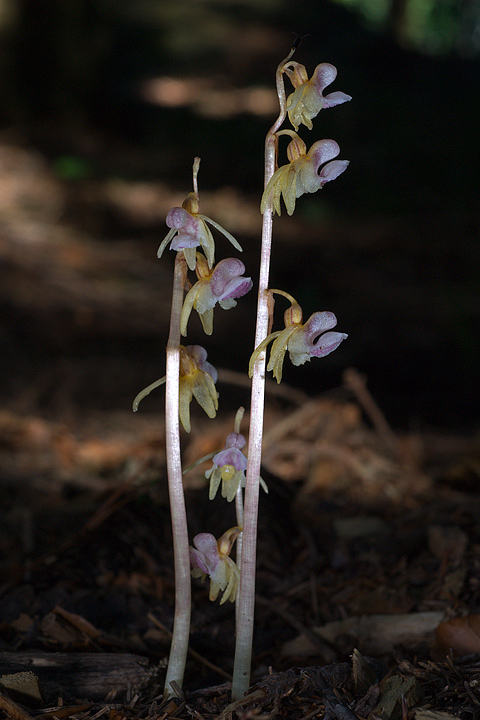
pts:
[307, 100]
[229, 466]
[301, 174]
[302, 341]
[210, 558]
[223, 284]
[197, 379]
[189, 230]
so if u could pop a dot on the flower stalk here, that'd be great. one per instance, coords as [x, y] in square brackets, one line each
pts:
[181, 624]
[301, 175]
[246, 595]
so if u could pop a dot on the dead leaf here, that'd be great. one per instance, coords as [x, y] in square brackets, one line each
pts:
[57, 632]
[373, 634]
[78, 622]
[394, 690]
[23, 623]
[422, 714]
[63, 712]
[376, 634]
[461, 635]
[13, 711]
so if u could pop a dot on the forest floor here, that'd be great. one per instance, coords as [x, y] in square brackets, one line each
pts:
[368, 580]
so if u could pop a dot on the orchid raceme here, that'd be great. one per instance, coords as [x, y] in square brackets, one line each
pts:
[235, 474]
[221, 284]
[210, 558]
[197, 379]
[302, 341]
[189, 230]
[307, 100]
[301, 174]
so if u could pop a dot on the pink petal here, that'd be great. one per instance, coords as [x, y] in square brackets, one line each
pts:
[226, 281]
[238, 287]
[207, 546]
[184, 240]
[335, 98]
[322, 151]
[197, 560]
[332, 170]
[236, 440]
[231, 456]
[323, 75]
[318, 323]
[178, 218]
[224, 271]
[327, 343]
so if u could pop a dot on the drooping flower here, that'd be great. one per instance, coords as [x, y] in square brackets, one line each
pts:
[189, 230]
[302, 341]
[221, 284]
[229, 466]
[301, 174]
[197, 379]
[211, 558]
[307, 100]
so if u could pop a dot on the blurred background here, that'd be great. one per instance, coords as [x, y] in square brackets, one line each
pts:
[105, 103]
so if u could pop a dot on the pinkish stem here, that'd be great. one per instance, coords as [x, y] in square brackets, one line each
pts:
[181, 625]
[246, 596]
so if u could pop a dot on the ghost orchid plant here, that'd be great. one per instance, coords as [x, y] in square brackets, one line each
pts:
[188, 374]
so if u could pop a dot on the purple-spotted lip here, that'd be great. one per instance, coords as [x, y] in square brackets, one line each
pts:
[227, 281]
[327, 343]
[204, 555]
[184, 240]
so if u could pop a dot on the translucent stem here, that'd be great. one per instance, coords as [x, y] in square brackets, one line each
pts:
[246, 597]
[181, 625]
[238, 558]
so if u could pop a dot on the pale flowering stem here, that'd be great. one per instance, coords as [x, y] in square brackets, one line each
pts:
[239, 516]
[181, 624]
[246, 596]
[239, 543]
[239, 495]
[238, 509]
